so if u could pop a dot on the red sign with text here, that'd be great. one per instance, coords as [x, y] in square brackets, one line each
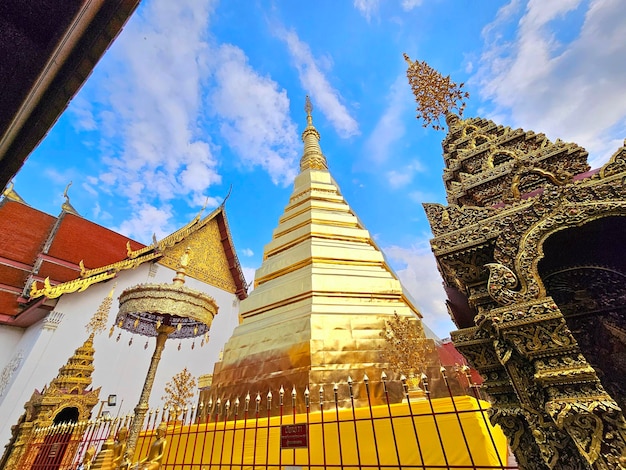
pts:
[293, 436]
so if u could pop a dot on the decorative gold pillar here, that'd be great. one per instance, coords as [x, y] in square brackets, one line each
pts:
[142, 407]
[162, 311]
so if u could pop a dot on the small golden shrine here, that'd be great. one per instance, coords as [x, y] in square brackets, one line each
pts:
[68, 398]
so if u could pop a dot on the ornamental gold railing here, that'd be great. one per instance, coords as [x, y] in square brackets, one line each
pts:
[263, 431]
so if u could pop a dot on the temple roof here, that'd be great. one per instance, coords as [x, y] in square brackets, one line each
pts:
[47, 51]
[488, 164]
[43, 257]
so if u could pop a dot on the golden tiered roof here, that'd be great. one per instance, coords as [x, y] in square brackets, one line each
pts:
[487, 164]
[75, 375]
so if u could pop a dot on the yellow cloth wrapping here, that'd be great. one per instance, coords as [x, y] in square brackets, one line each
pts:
[468, 438]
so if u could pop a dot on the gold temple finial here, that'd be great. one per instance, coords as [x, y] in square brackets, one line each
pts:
[11, 195]
[98, 322]
[436, 95]
[179, 279]
[308, 108]
[81, 265]
[67, 206]
[312, 158]
[230, 190]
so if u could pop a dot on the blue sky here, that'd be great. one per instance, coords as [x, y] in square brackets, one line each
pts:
[198, 95]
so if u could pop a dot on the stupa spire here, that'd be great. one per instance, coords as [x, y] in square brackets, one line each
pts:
[312, 157]
[321, 296]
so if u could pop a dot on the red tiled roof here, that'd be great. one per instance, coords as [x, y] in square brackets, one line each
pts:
[79, 239]
[71, 239]
[23, 231]
[57, 273]
[8, 304]
[12, 276]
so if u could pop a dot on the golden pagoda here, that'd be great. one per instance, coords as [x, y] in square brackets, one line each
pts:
[321, 296]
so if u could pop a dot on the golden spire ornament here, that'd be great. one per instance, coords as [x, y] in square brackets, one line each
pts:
[435, 94]
[312, 158]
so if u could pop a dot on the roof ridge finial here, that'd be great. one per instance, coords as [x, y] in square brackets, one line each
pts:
[436, 95]
[67, 206]
[10, 193]
[312, 158]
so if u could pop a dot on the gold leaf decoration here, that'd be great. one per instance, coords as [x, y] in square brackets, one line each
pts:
[98, 322]
[435, 94]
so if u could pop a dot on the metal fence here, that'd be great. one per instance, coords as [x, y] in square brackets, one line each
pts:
[420, 433]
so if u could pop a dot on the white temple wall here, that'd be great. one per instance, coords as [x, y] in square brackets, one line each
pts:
[120, 369]
[9, 338]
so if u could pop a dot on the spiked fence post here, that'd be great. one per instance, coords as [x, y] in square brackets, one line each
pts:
[405, 388]
[383, 378]
[307, 404]
[356, 434]
[424, 378]
[281, 395]
[245, 426]
[232, 441]
[366, 379]
[256, 426]
[269, 412]
[226, 408]
[335, 396]
[322, 419]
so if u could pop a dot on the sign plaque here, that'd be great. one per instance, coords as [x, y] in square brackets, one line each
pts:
[293, 436]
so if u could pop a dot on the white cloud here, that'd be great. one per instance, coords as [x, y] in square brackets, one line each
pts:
[90, 189]
[419, 275]
[247, 252]
[572, 90]
[148, 104]
[390, 128]
[408, 5]
[248, 274]
[403, 176]
[324, 96]
[420, 197]
[148, 220]
[83, 112]
[366, 7]
[254, 115]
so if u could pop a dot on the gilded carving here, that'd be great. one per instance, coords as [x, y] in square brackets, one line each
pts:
[209, 263]
[76, 285]
[509, 191]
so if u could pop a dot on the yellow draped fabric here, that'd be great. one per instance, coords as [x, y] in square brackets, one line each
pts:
[440, 433]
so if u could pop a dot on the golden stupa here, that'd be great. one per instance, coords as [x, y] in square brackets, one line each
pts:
[321, 297]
